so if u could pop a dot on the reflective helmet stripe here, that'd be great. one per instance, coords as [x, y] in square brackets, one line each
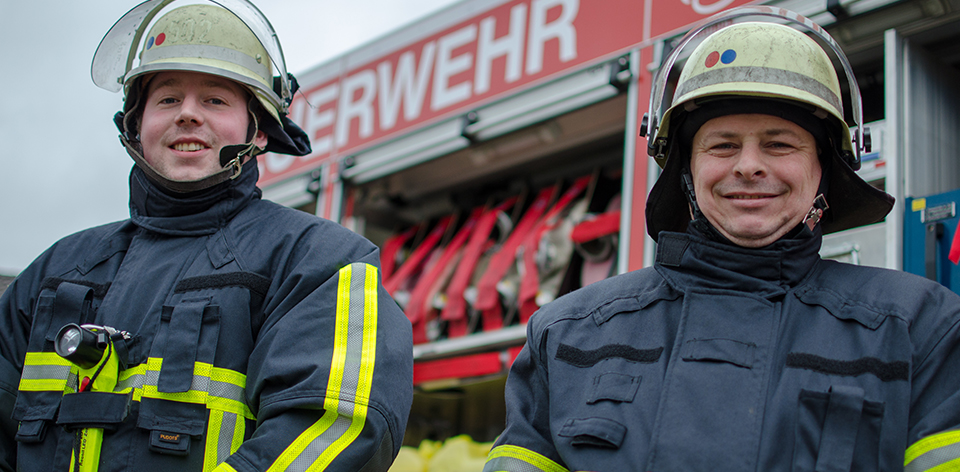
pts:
[752, 75]
[232, 56]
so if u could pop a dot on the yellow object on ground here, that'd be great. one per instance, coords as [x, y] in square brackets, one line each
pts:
[457, 454]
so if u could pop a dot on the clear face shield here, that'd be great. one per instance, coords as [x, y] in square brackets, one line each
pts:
[653, 126]
[119, 48]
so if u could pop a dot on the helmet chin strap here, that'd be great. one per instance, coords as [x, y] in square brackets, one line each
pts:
[697, 219]
[695, 213]
[231, 161]
[816, 212]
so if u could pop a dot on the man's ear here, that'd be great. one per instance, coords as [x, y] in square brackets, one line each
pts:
[260, 139]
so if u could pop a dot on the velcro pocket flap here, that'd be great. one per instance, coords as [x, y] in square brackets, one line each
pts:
[180, 346]
[172, 416]
[841, 308]
[720, 350]
[71, 305]
[93, 410]
[614, 386]
[840, 428]
[596, 432]
[172, 424]
[31, 431]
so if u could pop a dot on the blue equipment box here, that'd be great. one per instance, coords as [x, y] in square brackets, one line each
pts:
[930, 226]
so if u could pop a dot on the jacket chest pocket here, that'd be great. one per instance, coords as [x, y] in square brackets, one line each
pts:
[179, 376]
[185, 344]
[597, 413]
[838, 430]
[46, 375]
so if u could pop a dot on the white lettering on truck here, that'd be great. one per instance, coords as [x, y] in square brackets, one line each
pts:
[317, 120]
[409, 85]
[447, 66]
[364, 82]
[562, 30]
[510, 46]
[378, 91]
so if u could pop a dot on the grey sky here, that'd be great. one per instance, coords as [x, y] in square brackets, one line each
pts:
[63, 168]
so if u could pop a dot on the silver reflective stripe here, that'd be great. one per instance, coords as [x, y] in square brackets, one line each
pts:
[73, 382]
[350, 372]
[226, 390]
[200, 383]
[213, 52]
[513, 458]
[351, 375]
[133, 382]
[316, 448]
[934, 458]
[228, 424]
[45, 372]
[511, 464]
[763, 75]
[225, 432]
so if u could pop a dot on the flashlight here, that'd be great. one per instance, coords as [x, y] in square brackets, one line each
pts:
[80, 345]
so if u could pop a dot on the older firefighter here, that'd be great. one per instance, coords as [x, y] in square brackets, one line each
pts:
[741, 349]
[213, 330]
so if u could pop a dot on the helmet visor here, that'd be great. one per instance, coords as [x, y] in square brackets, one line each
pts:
[118, 49]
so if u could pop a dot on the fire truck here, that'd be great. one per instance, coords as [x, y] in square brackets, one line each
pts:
[491, 150]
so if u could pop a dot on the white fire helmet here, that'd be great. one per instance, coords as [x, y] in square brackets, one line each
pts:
[228, 38]
[747, 60]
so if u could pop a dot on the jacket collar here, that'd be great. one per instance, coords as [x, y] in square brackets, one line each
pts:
[691, 261]
[190, 214]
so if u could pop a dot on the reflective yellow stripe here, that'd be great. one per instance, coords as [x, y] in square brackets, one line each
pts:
[44, 372]
[509, 457]
[224, 468]
[950, 466]
[224, 436]
[220, 390]
[937, 452]
[351, 375]
[210, 457]
[365, 377]
[45, 358]
[42, 385]
[215, 387]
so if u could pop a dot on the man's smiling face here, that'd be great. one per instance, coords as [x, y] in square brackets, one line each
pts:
[187, 118]
[755, 176]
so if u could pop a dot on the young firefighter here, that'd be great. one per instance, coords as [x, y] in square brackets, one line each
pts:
[741, 349]
[212, 330]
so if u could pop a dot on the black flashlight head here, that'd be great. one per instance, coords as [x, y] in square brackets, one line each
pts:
[79, 345]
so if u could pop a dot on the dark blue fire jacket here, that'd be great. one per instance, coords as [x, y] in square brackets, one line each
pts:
[258, 337]
[723, 358]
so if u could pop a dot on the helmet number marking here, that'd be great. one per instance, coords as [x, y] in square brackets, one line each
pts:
[190, 31]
